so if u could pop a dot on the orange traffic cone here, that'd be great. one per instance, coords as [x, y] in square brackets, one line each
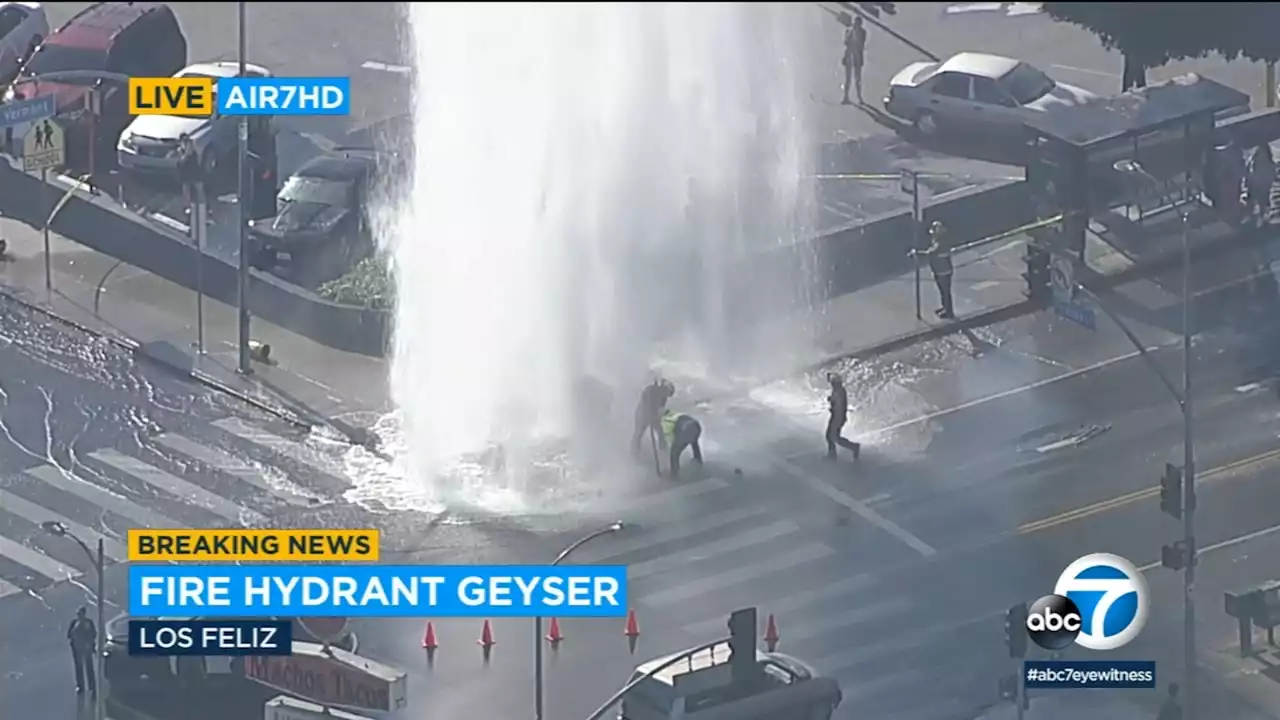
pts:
[486, 640]
[771, 636]
[554, 635]
[429, 638]
[632, 632]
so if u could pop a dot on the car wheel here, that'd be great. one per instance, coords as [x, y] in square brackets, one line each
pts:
[926, 124]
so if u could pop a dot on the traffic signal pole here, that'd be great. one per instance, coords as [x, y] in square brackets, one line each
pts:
[242, 219]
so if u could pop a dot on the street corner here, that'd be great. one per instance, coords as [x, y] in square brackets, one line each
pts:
[1254, 679]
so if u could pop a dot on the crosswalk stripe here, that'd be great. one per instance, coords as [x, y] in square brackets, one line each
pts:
[289, 448]
[162, 480]
[754, 536]
[37, 514]
[36, 561]
[838, 662]
[791, 603]
[665, 533]
[673, 496]
[7, 589]
[229, 464]
[825, 624]
[685, 591]
[868, 687]
[100, 497]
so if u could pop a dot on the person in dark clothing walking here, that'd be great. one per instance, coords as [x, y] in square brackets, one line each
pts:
[1171, 709]
[82, 634]
[939, 255]
[855, 55]
[648, 418]
[681, 431]
[838, 401]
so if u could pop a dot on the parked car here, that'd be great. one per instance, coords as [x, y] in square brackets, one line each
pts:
[150, 143]
[976, 91]
[321, 228]
[138, 39]
[23, 26]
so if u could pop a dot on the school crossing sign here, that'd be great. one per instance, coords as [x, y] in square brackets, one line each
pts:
[44, 147]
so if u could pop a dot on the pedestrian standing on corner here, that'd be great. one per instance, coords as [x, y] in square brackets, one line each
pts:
[189, 170]
[855, 55]
[1171, 709]
[82, 634]
[838, 402]
[939, 255]
[1260, 177]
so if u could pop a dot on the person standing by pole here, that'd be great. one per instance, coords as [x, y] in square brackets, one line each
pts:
[939, 255]
[855, 52]
[82, 635]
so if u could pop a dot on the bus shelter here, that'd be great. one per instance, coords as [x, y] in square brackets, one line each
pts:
[1167, 129]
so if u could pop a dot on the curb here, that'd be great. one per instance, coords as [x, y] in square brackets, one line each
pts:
[1010, 311]
[138, 351]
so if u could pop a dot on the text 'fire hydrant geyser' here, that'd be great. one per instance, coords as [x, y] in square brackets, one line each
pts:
[586, 182]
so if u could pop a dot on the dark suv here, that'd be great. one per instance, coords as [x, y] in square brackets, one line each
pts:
[137, 39]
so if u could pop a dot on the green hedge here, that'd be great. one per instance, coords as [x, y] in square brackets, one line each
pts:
[367, 285]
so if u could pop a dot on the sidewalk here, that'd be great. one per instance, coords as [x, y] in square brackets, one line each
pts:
[158, 318]
[318, 384]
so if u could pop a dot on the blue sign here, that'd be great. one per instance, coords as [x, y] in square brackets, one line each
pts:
[23, 111]
[284, 96]
[1077, 313]
[245, 591]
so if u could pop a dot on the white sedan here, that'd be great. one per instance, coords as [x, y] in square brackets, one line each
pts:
[978, 91]
[23, 26]
[150, 143]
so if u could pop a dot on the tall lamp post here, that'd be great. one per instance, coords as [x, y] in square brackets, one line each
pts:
[243, 191]
[99, 561]
[1183, 396]
[537, 621]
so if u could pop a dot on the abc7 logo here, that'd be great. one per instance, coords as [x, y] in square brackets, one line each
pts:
[1053, 622]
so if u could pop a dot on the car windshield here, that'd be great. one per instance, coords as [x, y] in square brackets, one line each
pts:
[61, 58]
[1026, 84]
[300, 188]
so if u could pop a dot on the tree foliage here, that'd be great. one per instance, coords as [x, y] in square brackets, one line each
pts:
[368, 284]
[1152, 34]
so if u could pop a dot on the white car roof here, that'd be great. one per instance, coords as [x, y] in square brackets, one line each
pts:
[979, 64]
[222, 70]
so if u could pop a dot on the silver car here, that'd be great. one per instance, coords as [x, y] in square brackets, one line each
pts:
[150, 143]
[977, 91]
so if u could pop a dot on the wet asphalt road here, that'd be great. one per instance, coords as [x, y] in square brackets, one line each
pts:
[965, 484]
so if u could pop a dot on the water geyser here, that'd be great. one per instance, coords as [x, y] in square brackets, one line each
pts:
[586, 181]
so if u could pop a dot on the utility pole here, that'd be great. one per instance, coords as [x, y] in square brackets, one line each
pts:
[1189, 480]
[242, 219]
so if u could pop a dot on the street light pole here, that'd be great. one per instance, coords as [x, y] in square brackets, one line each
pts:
[99, 561]
[537, 621]
[242, 219]
[1188, 482]
[1184, 398]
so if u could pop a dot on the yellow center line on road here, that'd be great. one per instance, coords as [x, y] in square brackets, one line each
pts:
[1220, 472]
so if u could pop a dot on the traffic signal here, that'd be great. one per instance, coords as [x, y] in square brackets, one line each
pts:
[263, 178]
[1171, 491]
[743, 665]
[1039, 282]
[1015, 630]
[1174, 556]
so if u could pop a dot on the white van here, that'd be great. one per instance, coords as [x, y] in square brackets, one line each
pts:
[701, 688]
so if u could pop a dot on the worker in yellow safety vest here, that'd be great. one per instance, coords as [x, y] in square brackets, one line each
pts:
[681, 431]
